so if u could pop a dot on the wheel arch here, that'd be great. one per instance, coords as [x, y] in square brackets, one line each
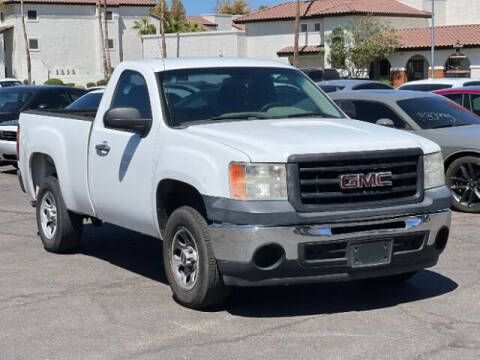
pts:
[459, 154]
[172, 194]
[41, 167]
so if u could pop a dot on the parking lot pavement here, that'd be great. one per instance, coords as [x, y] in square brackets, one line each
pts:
[111, 301]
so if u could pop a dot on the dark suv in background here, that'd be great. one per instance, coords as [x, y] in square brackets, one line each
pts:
[318, 74]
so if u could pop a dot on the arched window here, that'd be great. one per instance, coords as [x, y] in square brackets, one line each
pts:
[417, 68]
[380, 69]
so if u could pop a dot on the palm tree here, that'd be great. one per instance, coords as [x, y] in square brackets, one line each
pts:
[297, 33]
[27, 45]
[102, 38]
[144, 27]
[107, 49]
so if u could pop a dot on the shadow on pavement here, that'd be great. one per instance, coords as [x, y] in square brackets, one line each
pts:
[132, 251]
[8, 170]
[143, 255]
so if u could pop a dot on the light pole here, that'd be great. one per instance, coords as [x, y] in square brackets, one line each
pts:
[433, 40]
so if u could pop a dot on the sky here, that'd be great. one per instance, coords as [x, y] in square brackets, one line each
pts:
[197, 7]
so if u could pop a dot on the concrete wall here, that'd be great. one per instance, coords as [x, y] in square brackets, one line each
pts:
[200, 44]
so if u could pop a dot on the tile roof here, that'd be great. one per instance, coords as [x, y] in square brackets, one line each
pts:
[203, 23]
[303, 50]
[445, 36]
[86, 2]
[322, 8]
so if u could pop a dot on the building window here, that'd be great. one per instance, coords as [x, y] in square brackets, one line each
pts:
[2, 17]
[109, 15]
[33, 44]
[303, 28]
[317, 27]
[32, 14]
[110, 43]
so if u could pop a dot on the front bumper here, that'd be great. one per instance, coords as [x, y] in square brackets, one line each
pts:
[235, 247]
[8, 150]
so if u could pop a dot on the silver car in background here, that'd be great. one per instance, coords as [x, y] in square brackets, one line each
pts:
[434, 117]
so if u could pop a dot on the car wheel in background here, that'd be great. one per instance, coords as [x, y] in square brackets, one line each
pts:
[59, 229]
[463, 178]
[189, 262]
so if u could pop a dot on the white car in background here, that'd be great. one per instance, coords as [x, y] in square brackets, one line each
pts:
[439, 83]
[8, 82]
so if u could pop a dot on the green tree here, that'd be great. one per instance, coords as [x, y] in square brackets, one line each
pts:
[233, 7]
[366, 41]
[338, 52]
[144, 27]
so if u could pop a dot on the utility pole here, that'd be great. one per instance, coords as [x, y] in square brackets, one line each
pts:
[433, 40]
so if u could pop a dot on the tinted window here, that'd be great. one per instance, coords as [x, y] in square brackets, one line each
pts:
[372, 86]
[243, 93]
[331, 74]
[328, 88]
[472, 83]
[437, 112]
[458, 98]
[370, 111]
[475, 98]
[13, 99]
[315, 75]
[132, 92]
[88, 101]
[10, 83]
[425, 87]
[51, 100]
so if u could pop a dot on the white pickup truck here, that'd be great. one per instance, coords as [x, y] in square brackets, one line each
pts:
[246, 170]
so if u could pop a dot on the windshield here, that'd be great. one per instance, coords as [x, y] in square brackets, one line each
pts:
[10, 83]
[436, 112]
[86, 102]
[216, 94]
[13, 100]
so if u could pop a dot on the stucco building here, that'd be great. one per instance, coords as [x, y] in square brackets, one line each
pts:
[64, 38]
[269, 34]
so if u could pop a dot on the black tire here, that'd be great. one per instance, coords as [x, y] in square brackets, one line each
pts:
[68, 229]
[463, 178]
[395, 279]
[208, 289]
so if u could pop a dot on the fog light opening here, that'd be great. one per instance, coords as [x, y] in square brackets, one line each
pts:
[269, 256]
[442, 238]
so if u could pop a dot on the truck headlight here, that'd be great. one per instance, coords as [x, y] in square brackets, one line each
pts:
[258, 181]
[433, 170]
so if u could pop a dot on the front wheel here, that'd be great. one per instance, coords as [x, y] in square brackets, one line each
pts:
[189, 262]
[463, 178]
[59, 229]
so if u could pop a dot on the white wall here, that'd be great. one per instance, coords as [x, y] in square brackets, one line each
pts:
[200, 44]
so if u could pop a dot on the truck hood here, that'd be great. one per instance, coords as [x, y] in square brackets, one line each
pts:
[275, 140]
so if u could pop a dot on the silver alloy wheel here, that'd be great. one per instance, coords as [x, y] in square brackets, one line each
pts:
[184, 258]
[48, 215]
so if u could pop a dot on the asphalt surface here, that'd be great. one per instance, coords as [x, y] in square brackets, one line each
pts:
[111, 301]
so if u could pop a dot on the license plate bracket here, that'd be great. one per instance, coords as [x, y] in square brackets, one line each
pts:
[371, 253]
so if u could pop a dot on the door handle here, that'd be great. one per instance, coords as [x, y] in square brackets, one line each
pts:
[103, 147]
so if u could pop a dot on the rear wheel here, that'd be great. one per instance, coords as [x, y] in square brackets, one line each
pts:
[463, 178]
[59, 229]
[189, 262]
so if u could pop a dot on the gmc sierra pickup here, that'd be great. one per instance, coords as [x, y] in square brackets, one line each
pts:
[245, 169]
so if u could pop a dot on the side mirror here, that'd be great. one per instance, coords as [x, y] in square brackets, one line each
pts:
[126, 118]
[385, 122]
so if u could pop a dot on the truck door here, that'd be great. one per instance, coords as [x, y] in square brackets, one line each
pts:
[120, 162]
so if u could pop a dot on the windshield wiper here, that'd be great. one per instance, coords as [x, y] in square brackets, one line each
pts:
[308, 114]
[241, 116]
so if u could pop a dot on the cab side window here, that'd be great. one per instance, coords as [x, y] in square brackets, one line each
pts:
[132, 92]
[51, 100]
[458, 98]
[371, 112]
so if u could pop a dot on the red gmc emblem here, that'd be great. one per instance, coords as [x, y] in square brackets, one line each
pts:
[361, 181]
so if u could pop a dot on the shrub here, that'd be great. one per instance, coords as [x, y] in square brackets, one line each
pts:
[102, 82]
[80, 87]
[70, 84]
[25, 82]
[54, 82]
[91, 84]
[386, 81]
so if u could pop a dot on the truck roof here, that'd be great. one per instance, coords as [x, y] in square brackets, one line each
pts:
[208, 62]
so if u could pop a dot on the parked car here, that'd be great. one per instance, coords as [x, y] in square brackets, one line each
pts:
[9, 82]
[327, 88]
[455, 129]
[357, 84]
[318, 74]
[89, 101]
[468, 97]
[14, 100]
[244, 186]
[437, 84]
